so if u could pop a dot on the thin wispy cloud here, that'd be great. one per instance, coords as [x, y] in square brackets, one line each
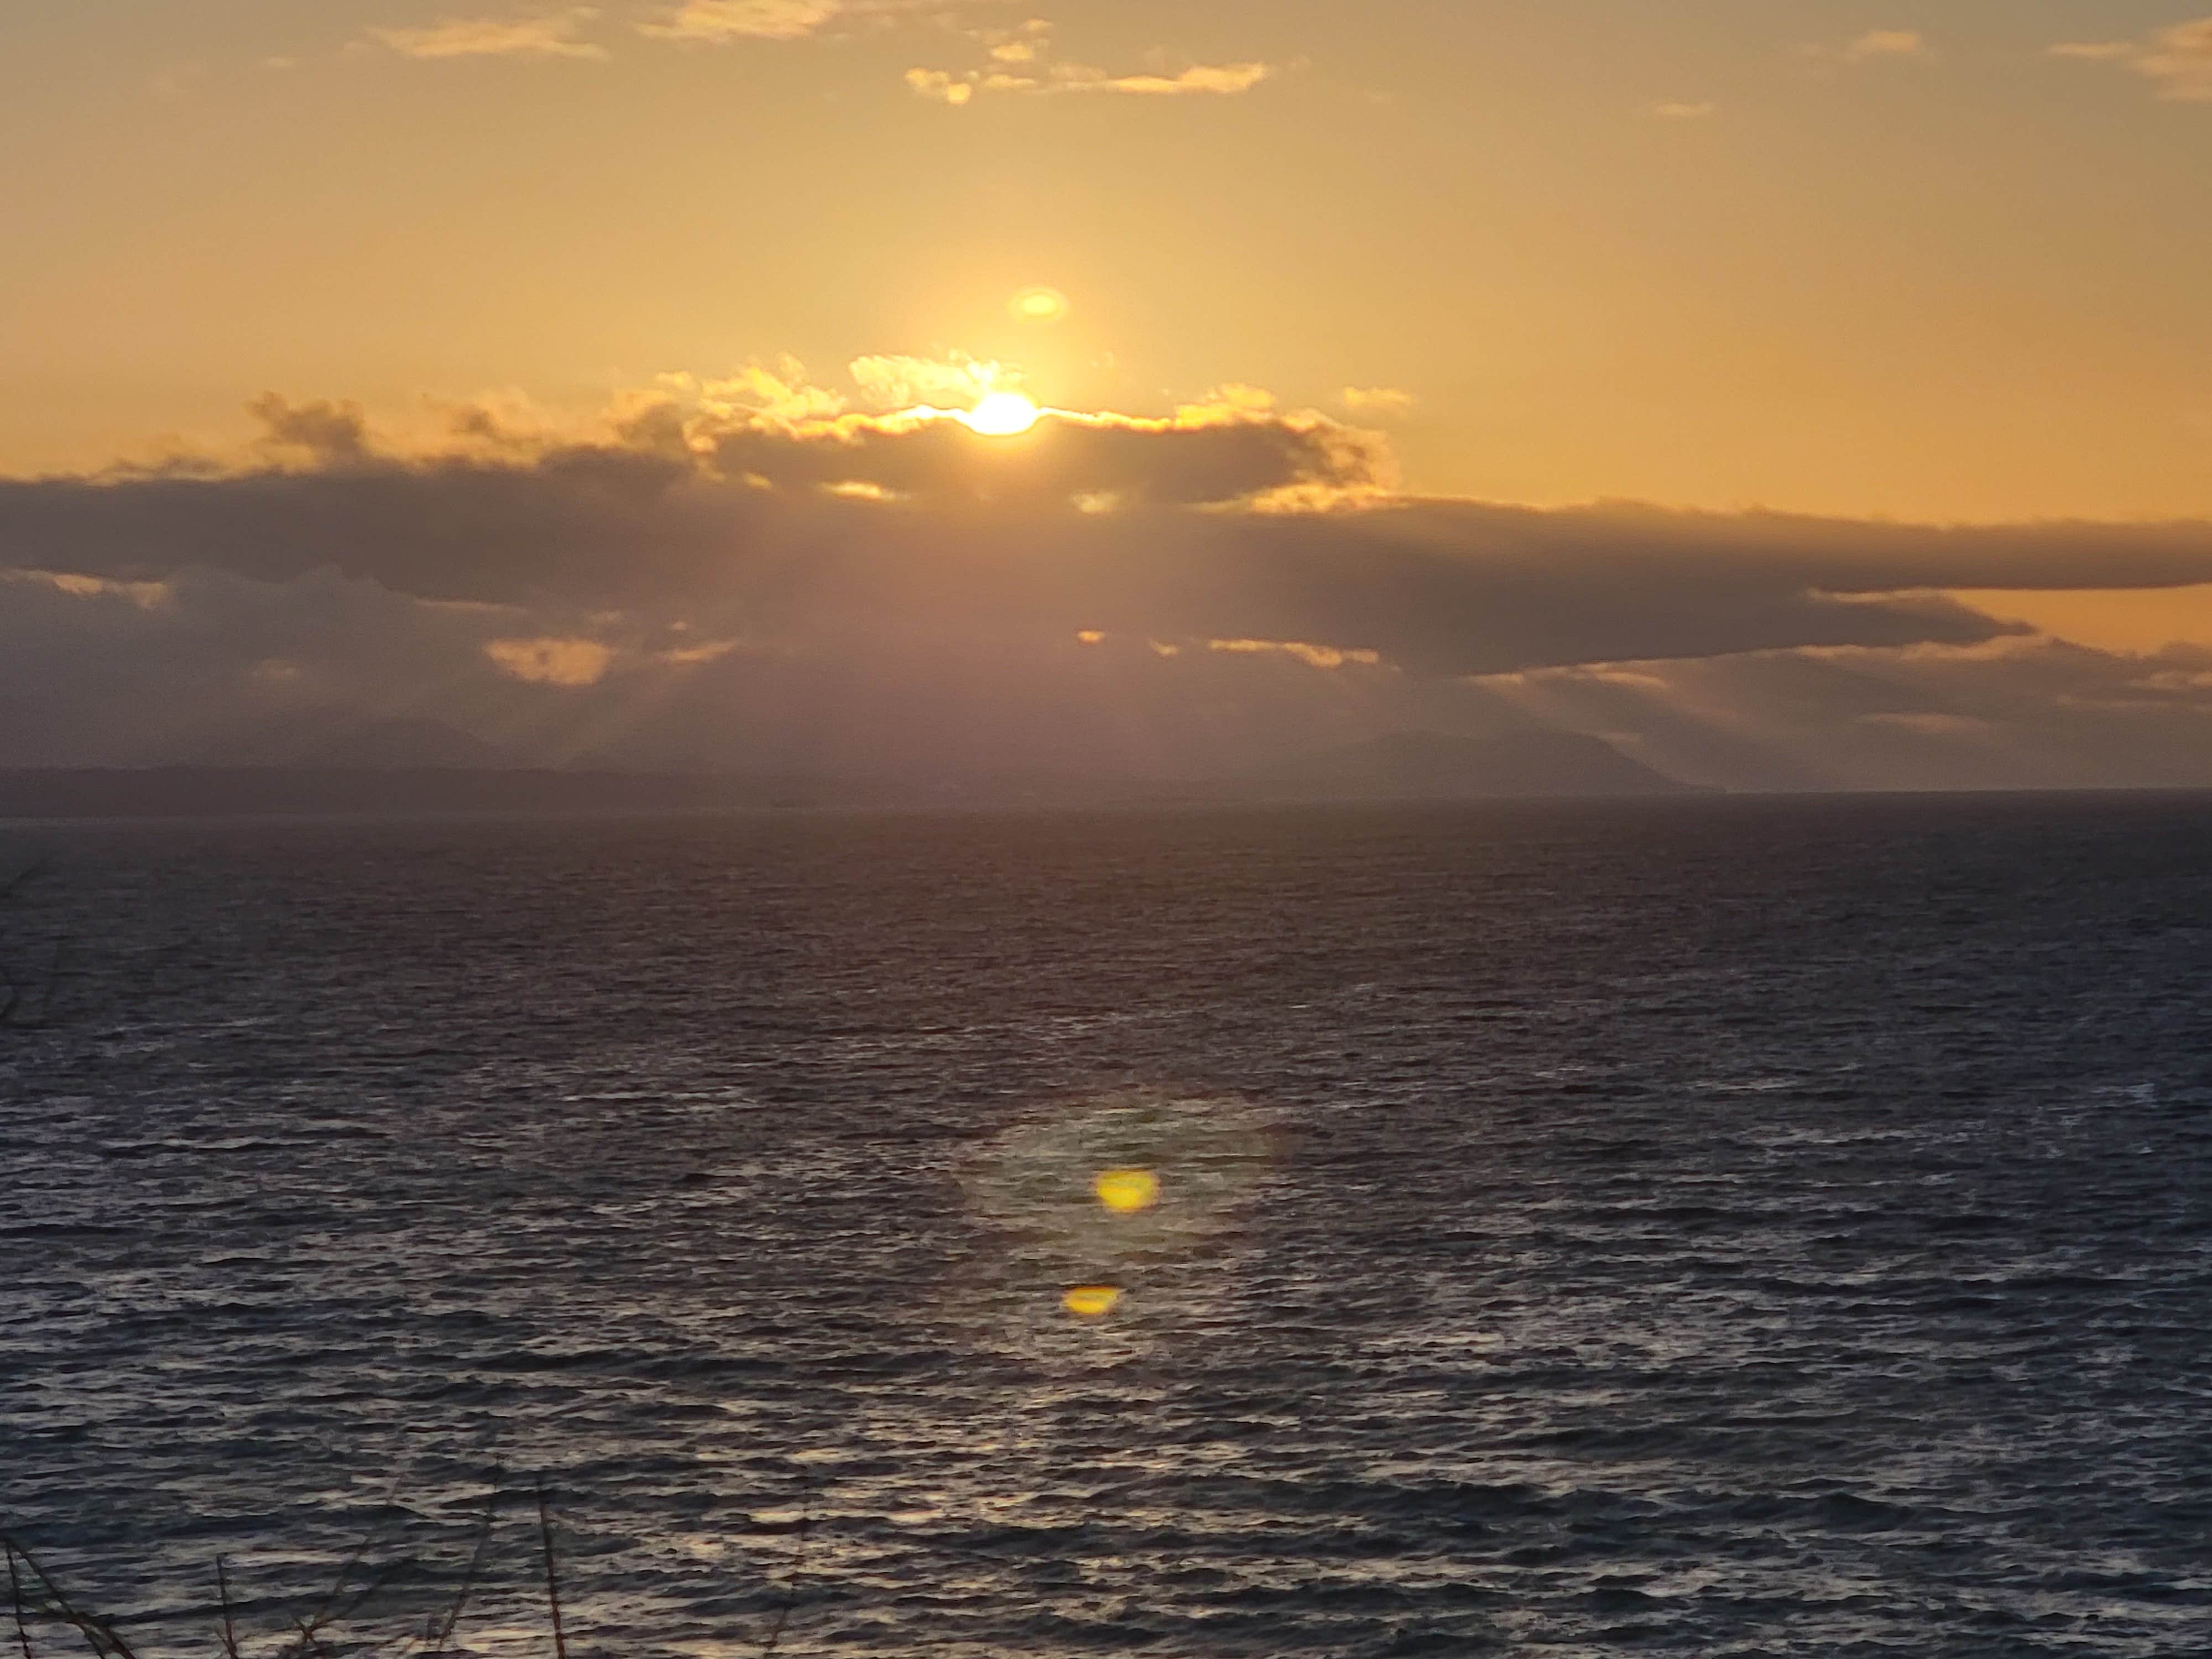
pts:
[956, 89]
[1878, 44]
[2177, 61]
[1304, 651]
[552, 35]
[942, 85]
[1227, 79]
[551, 660]
[1873, 47]
[1682, 112]
[1377, 403]
[1023, 60]
[711, 22]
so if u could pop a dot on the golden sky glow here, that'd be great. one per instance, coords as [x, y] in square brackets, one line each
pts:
[1257, 330]
[1950, 267]
[2140, 620]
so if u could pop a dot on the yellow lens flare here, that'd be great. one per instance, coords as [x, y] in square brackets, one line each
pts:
[1127, 1191]
[1002, 415]
[1091, 1301]
[1039, 305]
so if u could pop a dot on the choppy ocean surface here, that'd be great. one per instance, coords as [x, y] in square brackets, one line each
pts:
[1706, 1227]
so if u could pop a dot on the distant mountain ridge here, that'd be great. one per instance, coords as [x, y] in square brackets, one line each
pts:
[332, 742]
[1405, 766]
[1436, 766]
[349, 791]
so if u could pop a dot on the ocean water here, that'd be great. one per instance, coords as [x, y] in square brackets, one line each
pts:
[1699, 1227]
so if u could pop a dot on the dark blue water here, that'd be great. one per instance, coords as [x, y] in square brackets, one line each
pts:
[1716, 1228]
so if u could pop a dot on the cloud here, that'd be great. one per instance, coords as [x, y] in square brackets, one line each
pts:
[2013, 713]
[714, 21]
[1232, 447]
[326, 433]
[1378, 403]
[780, 395]
[554, 661]
[956, 382]
[1226, 79]
[1928, 723]
[940, 85]
[742, 572]
[1675, 112]
[109, 673]
[1313, 656]
[2177, 61]
[147, 596]
[552, 35]
[684, 504]
[1022, 60]
[1878, 44]
[1874, 46]
[224, 668]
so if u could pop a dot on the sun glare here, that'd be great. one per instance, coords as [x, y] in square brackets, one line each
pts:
[1002, 415]
[1091, 1301]
[1039, 305]
[1127, 1191]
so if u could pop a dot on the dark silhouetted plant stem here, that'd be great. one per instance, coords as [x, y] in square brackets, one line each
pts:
[102, 1636]
[440, 1634]
[222, 1594]
[798, 1566]
[552, 1577]
[15, 1600]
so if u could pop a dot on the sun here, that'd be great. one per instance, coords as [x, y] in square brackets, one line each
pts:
[1002, 415]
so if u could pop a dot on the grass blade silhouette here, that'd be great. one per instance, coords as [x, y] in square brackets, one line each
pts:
[223, 1595]
[440, 1634]
[102, 1636]
[552, 1577]
[798, 1566]
[15, 1601]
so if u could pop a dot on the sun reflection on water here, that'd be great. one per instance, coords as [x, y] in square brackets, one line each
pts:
[1122, 1198]
[1127, 1191]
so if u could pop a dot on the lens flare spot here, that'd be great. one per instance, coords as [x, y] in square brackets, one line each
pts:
[1091, 1301]
[1002, 415]
[1127, 1191]
[1039, 305]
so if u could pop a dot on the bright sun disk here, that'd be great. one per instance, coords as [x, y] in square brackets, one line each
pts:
[1002, 415]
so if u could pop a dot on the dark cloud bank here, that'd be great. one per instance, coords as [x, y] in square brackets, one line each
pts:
[897, 593]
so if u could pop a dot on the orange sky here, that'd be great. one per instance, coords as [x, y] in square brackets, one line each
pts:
[1935, 265]
[1863, 263]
